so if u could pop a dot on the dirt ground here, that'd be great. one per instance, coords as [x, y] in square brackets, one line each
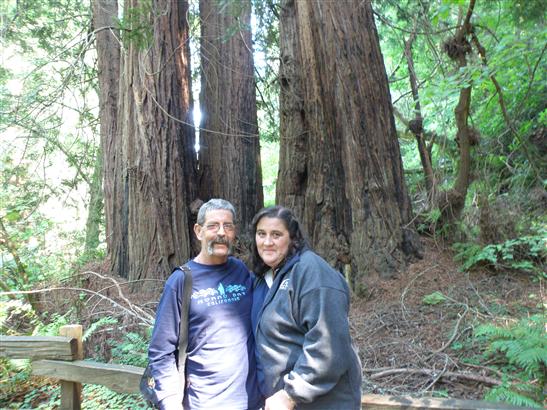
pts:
[410, 347]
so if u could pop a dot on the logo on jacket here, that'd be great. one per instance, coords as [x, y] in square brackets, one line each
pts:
[222, 294]
[284, 285]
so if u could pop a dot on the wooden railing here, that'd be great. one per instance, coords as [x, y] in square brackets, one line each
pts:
[61, 357]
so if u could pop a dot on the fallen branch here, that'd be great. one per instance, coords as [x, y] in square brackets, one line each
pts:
[434, 373]
[454, 334]
[145, 318]
[438, 377]
[403, 295]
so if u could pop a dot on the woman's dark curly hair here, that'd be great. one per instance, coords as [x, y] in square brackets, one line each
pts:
[296, 234]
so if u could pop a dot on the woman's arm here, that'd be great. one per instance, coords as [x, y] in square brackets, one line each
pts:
[326, 351]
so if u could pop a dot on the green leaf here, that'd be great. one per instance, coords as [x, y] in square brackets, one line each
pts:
[433, 298]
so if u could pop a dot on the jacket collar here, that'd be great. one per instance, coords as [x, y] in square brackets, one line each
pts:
[278, 277]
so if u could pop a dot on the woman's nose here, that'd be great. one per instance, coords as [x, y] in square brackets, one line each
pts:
[268, 240]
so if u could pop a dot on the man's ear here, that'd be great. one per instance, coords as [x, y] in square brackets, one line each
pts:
[197, 230]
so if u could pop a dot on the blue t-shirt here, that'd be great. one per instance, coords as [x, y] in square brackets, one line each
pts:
[220, 366]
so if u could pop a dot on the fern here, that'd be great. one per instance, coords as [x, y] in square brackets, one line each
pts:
[132, 350]
[104, 321]
[524, 346]
[504, 394]
[526, 253]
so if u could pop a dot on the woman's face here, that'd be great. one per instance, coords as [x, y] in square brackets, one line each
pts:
[272, 241]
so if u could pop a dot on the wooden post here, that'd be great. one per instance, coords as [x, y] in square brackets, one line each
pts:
[71, 393]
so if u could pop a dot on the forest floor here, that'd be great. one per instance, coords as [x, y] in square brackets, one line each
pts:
[407, 346]
[410, 347]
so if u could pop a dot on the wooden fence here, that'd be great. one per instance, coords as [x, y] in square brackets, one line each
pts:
[61, 357]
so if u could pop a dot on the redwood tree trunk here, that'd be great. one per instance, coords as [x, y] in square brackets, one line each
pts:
[229, 156]
[152, 173]
[105, 13]
[340, 164]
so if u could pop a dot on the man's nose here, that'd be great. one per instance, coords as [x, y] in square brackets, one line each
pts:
[221, 230]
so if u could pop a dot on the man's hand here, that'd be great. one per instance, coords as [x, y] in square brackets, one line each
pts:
[280, 401]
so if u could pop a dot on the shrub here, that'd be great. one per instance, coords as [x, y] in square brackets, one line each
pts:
[522, 353]
[526, 253]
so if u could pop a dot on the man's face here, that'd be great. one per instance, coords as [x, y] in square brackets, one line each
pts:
[217, 234]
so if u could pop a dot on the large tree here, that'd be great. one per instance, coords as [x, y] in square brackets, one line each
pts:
[340, 164]
[148, 141]
[229, 156]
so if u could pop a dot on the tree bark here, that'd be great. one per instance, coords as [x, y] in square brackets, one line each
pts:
[340, 164]
[107, 37]
[152, 166]
[229, 156]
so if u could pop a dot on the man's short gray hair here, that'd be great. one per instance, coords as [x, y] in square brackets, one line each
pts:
[213, 205]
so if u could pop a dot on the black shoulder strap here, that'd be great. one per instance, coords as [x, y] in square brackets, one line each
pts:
[183, 332]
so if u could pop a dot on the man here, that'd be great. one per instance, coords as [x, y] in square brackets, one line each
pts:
[220, 366]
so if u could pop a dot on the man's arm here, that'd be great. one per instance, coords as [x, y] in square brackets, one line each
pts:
[164, 343]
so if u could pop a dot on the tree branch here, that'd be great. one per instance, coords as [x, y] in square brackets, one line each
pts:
[433, 373]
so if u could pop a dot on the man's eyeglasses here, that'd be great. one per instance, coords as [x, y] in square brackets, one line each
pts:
[215, 227]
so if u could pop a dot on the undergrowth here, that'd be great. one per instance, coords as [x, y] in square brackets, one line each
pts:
[520, 353]
[525, 254]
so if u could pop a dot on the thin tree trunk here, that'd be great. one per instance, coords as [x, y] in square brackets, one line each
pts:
[229, 156]
[340, 164]
[452, 202]
[105, 13]
[95, 206]
[416, 126]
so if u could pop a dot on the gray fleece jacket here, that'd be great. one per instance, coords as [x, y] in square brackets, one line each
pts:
[302, 336]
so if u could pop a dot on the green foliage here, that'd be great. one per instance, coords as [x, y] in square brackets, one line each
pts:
[266, 60]
[47, 144]
[102, 322]
[522, 349]
[505, 393]
[100, 397]
[527, 254]
[44, 397]
[96, 398]
[136, 25]
[509, 156]
[132, 350]
[16, 317]
[433, 298]
[52, 323]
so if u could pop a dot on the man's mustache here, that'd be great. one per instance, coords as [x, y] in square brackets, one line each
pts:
[220, 241]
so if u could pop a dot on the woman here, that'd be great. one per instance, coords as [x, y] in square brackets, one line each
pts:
[300, 318]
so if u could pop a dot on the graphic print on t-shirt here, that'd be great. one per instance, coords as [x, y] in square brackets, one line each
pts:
[222, 294]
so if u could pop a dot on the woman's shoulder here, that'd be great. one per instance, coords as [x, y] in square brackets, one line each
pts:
[309, 257]
[314, 270]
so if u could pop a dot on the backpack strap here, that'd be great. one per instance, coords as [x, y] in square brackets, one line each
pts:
[183, 331]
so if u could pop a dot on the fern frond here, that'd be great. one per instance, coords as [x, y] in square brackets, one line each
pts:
[104, 321]
[531, 359]
[502, 393]
[493, 332]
